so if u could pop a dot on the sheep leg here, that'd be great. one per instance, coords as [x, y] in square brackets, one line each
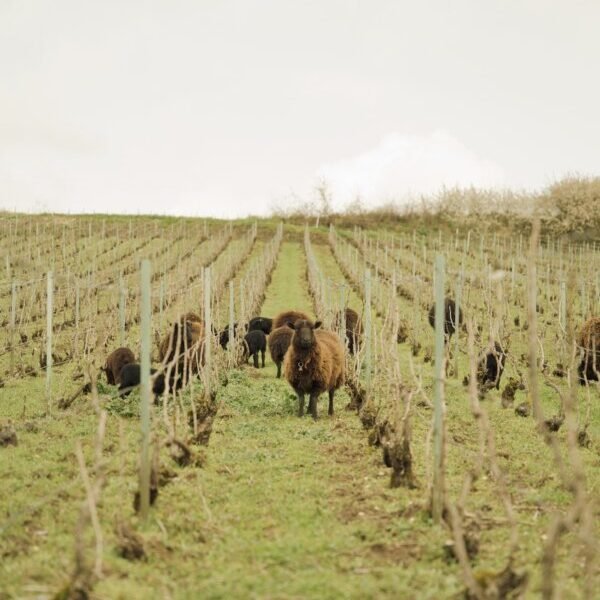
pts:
[278, 370]
[312, 406]
[255, 358]
[331, 392]
[300, 404]
[262, 353]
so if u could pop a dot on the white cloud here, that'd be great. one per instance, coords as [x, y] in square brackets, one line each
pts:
[401, 167]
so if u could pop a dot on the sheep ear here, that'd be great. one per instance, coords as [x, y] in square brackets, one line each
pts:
[318, 324]
[290, 325]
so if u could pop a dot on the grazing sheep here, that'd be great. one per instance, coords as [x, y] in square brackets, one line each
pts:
[194, 333]
[176, 342]
[182, 350]
[491, 367]
[196, 325]
[314, 363]
[115, 361]
[263, 324]
[279, 342]
[353, 326]
[289, 316]
[449, 317]
[130, 377]
[255, 342]
[589, 341]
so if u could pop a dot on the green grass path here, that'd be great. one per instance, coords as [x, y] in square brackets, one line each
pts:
[286, 507]
[288, 288]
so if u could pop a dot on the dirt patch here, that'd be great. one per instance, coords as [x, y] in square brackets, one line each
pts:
[344, 453]
[398, 554]
[359, 509]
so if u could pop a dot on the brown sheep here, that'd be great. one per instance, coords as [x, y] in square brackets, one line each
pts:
[589, 341]
[194, 332]
[192, 317]
[313, 364]
[289, 316]
[176, 341]
[196, 324]
[187, 360]
[279, 342]
[353, 326]
[115, 361]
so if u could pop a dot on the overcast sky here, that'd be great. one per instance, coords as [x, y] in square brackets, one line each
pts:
[228, 107]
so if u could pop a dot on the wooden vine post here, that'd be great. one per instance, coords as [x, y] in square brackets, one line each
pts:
[231, 321]
[368, 333]
[13, 324]
[122, 300]
[456, 316]
[563, 306]
[145, 324]
[207, 328]
[49, 309]
[437, 499]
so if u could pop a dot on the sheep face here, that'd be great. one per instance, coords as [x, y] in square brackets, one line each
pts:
[304, 333]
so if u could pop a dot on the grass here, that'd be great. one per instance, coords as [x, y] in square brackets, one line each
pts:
[288, 288]
[284, 507]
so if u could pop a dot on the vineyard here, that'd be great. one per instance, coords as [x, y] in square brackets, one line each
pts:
[427, 482]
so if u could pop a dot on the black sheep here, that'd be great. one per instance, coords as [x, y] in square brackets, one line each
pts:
[224, 336]
[588, 369]
[263, 324]
[449, 317]
[255, 342]
[130, 377]
[491, 367]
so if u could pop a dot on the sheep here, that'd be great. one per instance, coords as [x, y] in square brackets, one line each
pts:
[192, 317]
[491, 367]
[194, 333]
[192, 360]
[115, 361]
[279, 342]
[255, 342]
[289, 316]
[353, 327]
[450, 324]
[183, 349]
[314, 363]
[176, 342]
[264, 324]
[130, 377]
[589, 341]
[224, 336]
